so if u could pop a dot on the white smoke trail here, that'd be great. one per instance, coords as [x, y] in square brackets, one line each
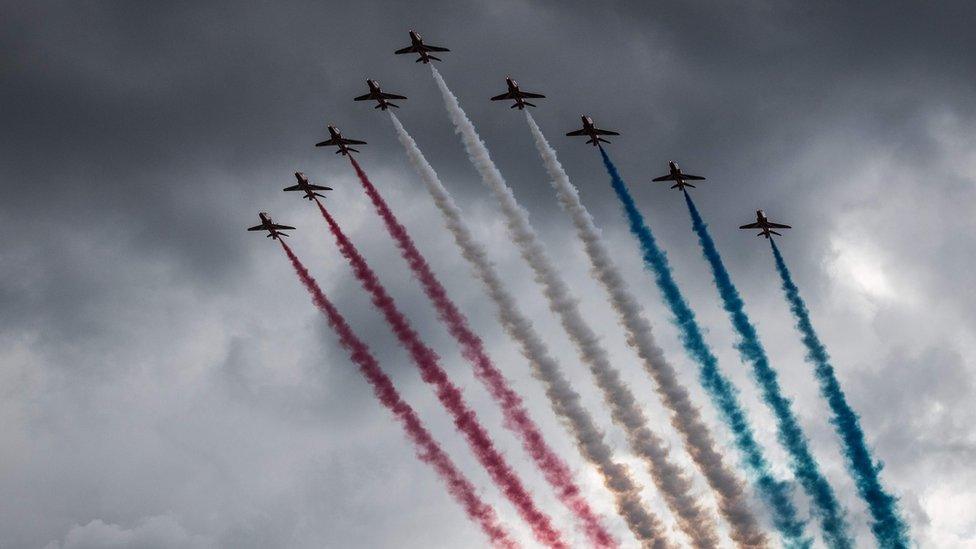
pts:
[685, 417]
[563, 399]
[670, 479]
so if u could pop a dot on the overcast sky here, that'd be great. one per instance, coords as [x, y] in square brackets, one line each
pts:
[166, 382]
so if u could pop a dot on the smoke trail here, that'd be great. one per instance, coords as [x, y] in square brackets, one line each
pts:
[721, 391]
[450, 396]
[685, 417]
[516, 416]
[428, 450]
[789, 433]
[670, 479]
[563, 399]
[888, 527]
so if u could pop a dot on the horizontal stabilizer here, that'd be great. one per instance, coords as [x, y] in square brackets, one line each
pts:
[679, 185]
[527, 103]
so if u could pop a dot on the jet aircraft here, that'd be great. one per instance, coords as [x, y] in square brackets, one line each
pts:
[592, 131]
[306, 187]
[765, 226]
[518, 95]
[274, 230]
[680, 179]
[417, 46]
[376, 94]
[336, 140]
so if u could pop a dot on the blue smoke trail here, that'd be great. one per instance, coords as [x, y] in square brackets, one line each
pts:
[723, 394]
[789, 433]
[888, 527]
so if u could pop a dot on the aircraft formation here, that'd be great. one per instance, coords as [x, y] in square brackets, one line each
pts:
[519, 97]
[726, 484]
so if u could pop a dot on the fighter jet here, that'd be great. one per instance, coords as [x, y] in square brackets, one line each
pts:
[518, 95]
[306, 187]
[680, 179]
[592, 131]
[765, 226]
[376, 94]
[274, 230]
[417, 46]
[338, 141]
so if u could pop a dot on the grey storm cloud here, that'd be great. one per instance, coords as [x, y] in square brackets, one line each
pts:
[164, 380]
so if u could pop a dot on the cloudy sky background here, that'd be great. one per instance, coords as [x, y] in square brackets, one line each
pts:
[165, 381]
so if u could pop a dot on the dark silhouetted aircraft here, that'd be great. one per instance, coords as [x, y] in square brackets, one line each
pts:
[338, 141]
[765, 226]
[592, 131]
[378, 95]
[518, 95]
[274, 230]
[680, 179]
[306, 187]
[417, 46]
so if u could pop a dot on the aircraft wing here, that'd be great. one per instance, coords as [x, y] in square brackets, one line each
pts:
[282, 227]
[605, 132]
[533, 95]
[256, 228]
[352, 142]
[751, 226]
[408, 49]
[435, 48]
[506, 95]
[293, 188]
[692, 177]
[327, 143]
[577, 132]
[385, 95]
[778, 226]
[668, 177]
[365, 97]
[317, 188]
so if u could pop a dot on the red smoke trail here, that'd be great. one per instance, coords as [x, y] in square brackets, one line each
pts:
[450, 396]
[427, 448]
[516, 417]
